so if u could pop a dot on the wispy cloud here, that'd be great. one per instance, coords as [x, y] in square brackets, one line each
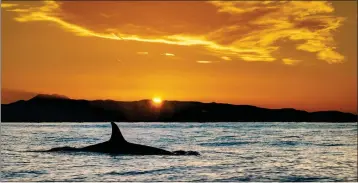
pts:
[205, 61]
[142, 53]
[169, 54]
[8, 5]
[226, 58]
[247, 31]
[289, 61]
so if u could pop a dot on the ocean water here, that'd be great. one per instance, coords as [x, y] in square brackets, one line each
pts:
[229, 152]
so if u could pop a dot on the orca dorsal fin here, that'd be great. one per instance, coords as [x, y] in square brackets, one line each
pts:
[116, 134]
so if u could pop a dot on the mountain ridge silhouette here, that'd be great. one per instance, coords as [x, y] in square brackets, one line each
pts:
[59, 108]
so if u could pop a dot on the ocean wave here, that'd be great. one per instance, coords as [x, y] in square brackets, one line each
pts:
[231, 152]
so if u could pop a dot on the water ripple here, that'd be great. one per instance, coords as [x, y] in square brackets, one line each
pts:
[218, 144]
[230, 152]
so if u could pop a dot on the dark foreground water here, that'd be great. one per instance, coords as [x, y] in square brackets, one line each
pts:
[230, 152]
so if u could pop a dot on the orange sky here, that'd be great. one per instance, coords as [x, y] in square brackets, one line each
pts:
[270, 54]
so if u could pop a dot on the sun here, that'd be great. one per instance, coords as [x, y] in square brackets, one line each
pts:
[157, 100]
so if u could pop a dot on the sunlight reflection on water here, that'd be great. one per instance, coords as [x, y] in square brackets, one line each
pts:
[230, 152]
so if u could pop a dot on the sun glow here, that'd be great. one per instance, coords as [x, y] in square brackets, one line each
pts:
[157, 100]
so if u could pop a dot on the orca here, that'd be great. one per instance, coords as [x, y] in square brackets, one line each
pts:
[118, 145]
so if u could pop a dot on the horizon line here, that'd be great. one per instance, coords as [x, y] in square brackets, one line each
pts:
[59, 96]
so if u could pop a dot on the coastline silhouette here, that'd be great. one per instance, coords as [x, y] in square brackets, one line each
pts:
[57, 108]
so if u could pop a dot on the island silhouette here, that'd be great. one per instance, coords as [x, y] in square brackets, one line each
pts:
[57, 108]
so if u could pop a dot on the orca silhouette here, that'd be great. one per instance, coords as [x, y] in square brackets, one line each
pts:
[118, 145]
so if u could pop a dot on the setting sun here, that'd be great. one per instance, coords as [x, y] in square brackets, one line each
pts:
[157, 100]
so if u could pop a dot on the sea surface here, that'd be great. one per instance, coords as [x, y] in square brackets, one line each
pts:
[229, 152]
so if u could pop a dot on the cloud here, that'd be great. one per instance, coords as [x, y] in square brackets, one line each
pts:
[289, 61]
[329, 55]
[142, 53]
[169, 54]
[8, 5]
[206, 61]
[226, 58]
[243, 30]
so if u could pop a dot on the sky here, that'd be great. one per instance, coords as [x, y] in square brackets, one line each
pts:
[274, 54]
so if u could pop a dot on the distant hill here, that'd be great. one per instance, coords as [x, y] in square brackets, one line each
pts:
[10, 95]
[56, 108]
